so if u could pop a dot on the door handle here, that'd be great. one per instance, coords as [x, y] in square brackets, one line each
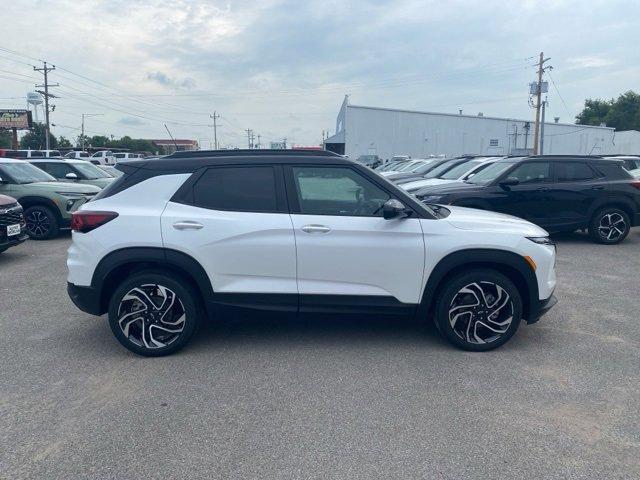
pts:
[187, 225]
[315, 229]
[597, 187]
[543, 189]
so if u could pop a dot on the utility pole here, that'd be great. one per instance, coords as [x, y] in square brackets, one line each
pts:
[215, 117]
[259, 144]
[536, 131]
[527, 127]
[284, 142]
[82, 134]
[45, 70]
[249, 138]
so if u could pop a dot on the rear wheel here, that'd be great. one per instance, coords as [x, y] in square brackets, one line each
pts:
[609, 226]
[42, 223]
[478, 310]
[154, 314]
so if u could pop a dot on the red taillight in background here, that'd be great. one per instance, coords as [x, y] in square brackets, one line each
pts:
[85, 221]
[636, 183]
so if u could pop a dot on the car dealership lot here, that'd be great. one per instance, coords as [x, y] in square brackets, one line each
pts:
[324, 398]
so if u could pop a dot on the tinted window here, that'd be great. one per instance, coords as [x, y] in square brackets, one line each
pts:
[337, 191]
[573, 171]
[248, 189]
[532, 172]
[58, 170]
[120, 155]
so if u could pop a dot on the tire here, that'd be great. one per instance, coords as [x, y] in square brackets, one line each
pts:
[42, 222]
[152, 334]
[609, 226]
[473, 329]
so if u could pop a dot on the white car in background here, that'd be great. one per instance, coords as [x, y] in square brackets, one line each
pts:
[126, 156]
[458, 173]
[103, 157]
[78, 155]
[635, 173]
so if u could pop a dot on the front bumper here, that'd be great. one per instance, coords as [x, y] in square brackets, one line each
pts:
[540, 308]
[86, 299]
[6, 242]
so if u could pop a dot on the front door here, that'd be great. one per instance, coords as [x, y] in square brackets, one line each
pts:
[531, 197]
[348, 255]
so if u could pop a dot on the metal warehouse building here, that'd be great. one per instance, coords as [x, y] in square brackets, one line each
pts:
[387, 132]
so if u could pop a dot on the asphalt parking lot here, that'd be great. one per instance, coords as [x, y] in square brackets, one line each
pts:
[323, 398]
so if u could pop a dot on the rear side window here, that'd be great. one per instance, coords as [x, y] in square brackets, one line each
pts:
[245, 189]
[574, 172]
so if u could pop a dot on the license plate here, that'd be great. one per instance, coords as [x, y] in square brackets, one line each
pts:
[13, 230]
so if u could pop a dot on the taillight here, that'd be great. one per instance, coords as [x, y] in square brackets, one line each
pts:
[636, 183]
[85, 221]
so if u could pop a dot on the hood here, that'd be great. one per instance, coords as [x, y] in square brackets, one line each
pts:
[100, 182]
[427, 182]
[473, 219]
[5, 200]
[449, 188]
[66, 187]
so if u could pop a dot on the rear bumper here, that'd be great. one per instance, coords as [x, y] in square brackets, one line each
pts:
[540, 308]
[86, 299]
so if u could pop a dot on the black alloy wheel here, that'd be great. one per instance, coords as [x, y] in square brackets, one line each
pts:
[42, 223]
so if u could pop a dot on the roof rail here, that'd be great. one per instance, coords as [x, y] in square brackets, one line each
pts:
[254, 152]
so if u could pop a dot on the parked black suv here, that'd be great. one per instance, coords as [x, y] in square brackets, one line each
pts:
[559, 193]
[13, 229]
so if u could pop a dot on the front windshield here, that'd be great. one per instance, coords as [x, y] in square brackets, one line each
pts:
[90, 171]
[456, 172]
[406, 167]
[440, 169]
[490, 173]
[24, 173]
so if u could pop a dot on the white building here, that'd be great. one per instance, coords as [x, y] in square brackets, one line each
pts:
[386, 132]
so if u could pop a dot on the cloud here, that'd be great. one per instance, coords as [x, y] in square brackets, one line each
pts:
[281, 67]
[132, 121]
[187, 83]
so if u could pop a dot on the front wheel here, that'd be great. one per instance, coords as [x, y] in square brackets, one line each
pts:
[42, 223]
[478, 310]
[154, 314]
[609, 226]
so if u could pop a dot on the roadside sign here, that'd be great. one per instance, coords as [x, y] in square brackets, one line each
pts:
[18, 119]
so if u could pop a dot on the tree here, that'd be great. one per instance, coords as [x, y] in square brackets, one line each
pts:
[35, 139]
[79, 142]
[98, 141]
[5, 139]
[64, 143]
[622, 113]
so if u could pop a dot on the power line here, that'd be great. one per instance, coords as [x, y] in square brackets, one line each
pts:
[558, 92]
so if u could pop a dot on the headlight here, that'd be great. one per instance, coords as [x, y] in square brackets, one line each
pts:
[542, 241]
[432, 198]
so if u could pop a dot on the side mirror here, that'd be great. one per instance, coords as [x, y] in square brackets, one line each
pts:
[393, 208]
[509, 182]
[71, 176]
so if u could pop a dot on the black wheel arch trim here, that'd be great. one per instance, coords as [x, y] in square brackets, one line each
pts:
[34, 201]
[139, 258]
[510, 262]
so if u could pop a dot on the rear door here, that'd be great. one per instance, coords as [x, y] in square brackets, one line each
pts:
[577, 187]
[348, 254]
[234, 221]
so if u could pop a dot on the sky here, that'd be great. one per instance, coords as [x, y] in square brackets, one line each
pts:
[282, 68]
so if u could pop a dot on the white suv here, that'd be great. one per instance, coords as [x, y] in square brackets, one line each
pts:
[177, 239]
